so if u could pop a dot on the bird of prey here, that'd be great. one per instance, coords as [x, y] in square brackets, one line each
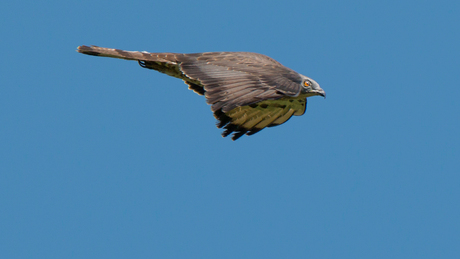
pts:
[247, 91]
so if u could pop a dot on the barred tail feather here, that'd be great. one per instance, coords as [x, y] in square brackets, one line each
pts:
[129, 55]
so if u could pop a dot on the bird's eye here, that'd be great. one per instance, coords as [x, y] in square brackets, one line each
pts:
[306, 83]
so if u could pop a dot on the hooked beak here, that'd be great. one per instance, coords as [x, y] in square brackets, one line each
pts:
[322, 93]
[317, 89]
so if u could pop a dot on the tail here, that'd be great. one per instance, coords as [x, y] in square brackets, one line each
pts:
[167, 63]
[112, 53]
[128, 55]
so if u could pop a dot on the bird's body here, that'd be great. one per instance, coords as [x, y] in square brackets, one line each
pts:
[247, 91]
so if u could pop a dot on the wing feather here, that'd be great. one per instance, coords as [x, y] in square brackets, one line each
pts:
[284, 117]
[268, 118]
[251, 119]
[227, 73]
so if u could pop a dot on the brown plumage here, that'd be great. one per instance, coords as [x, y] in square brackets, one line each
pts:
[247, 91]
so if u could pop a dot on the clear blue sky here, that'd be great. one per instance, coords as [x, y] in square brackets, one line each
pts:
[100, 158]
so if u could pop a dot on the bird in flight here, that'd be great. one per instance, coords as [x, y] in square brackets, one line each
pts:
[247, 91]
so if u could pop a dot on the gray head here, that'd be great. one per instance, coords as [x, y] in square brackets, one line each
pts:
[310, 87]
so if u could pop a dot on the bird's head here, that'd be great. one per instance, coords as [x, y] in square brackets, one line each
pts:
[310, 88]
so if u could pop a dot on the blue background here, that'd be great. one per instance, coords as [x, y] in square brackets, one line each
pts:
[100, 158]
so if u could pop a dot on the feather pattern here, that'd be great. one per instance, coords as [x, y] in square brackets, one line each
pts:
[251, 119]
